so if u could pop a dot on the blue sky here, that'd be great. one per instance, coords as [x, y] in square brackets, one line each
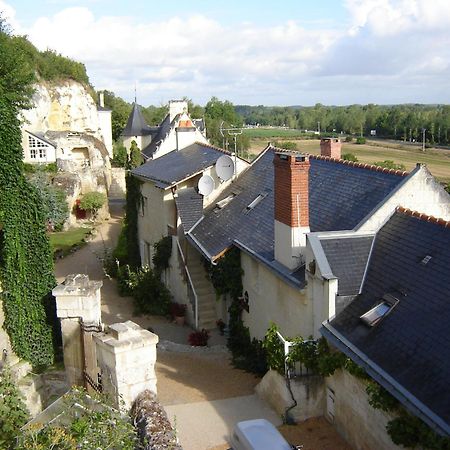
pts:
[249, 52]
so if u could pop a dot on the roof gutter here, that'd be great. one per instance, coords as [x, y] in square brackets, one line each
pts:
[200, 247]
[411, 403]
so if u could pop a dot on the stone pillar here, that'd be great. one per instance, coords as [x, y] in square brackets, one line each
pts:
[78, 306]
[126, 355]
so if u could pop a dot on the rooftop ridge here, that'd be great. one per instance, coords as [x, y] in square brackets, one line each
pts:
[203, 144]
[359, 165]
[424, 217]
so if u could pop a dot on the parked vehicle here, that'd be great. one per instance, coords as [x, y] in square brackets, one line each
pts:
[258, 434]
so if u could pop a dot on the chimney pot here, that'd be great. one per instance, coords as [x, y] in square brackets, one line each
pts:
[331, 147]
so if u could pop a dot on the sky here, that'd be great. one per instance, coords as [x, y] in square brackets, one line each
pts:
[290, 52]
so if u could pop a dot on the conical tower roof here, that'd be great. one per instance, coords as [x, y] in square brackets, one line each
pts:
[136, 125]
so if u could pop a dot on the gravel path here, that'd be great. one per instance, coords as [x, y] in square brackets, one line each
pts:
[202, 393]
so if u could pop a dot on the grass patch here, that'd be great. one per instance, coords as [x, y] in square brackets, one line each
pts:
[65, 242]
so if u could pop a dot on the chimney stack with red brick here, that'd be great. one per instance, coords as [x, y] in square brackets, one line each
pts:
[291, 196]
[330, 147]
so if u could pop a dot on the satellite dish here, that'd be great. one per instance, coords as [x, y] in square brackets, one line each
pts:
[205, 185]
[225, 167]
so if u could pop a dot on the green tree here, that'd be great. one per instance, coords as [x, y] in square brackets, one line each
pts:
[13, 412]
[120, 110]
[120, 155]
[135, 159]
[53, 200]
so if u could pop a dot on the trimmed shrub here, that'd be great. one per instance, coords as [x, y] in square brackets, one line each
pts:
[360, 140]
[349, 157]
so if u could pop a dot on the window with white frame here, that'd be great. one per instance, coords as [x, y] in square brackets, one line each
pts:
[37, 148]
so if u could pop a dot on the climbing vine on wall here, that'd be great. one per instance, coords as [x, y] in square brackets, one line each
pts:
[26, 265]
[131, 219]
[226, 276]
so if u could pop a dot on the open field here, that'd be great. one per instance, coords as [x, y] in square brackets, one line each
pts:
[437, 160]
[266, 133]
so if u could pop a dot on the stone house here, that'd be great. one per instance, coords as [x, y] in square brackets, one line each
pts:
[177, 131]
[396, 325]
[170, 205]
[65, 126]
[274, 211]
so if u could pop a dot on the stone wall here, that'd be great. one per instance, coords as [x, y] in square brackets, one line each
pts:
[117, 189]
[361, 425]
[309, 392]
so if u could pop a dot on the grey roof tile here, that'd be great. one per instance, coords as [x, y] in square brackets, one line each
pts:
[176, 166]
[348, 259]
[411, 343]
[136, 124]
[341, 196]
[158, 135]
[190, 207]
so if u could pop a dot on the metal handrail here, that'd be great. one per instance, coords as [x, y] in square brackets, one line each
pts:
[190, 283]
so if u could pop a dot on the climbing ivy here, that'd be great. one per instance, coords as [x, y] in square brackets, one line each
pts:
[226, 276]
[163, 251]
[26, 265]
[133, 202]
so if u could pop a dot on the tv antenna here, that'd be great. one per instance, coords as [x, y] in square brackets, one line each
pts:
[235, 132]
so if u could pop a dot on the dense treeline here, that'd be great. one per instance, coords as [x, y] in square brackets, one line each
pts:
[404, 122]
[47, 65]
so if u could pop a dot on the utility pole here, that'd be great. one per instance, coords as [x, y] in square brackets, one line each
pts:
[423, 139]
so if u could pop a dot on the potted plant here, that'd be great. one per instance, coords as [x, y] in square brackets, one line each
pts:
[221, 326]
[199, 338]
[178, 311]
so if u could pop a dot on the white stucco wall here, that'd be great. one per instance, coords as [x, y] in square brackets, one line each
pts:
[420, 193]
[272, 300]
[104, 122]
[361, 425]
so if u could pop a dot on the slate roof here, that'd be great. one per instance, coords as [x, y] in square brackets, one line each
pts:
[408, 351]
[348, 259]
[341, 195]
[136, 124]
[170, 169]
[41, 136]
[190, 207]
[159, 135]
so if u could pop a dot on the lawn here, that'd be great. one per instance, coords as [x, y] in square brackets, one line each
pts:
[64, 241]
[437, 160]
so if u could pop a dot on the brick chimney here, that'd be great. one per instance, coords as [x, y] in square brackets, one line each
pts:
[291, 196]
[330, 147]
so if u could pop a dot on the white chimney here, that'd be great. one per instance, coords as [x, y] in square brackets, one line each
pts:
[177, 107]
[101, 99]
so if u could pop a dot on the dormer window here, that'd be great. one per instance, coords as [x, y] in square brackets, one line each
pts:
[378, 312]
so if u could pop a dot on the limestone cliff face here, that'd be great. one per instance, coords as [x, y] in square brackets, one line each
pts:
[62, 106]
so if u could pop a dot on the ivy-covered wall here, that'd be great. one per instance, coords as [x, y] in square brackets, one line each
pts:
[26, 265]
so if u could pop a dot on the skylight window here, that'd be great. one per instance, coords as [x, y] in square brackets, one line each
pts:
[224, 202]
[374, 315]
[255, 202]
[426, 260]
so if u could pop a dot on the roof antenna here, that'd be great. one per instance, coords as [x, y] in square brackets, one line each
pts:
[135, 92]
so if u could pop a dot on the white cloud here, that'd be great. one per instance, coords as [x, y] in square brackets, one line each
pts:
[391, 50]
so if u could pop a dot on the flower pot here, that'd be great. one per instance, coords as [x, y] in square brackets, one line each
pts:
[179, 320]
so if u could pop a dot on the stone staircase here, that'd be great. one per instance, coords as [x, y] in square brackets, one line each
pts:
[204, 289]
